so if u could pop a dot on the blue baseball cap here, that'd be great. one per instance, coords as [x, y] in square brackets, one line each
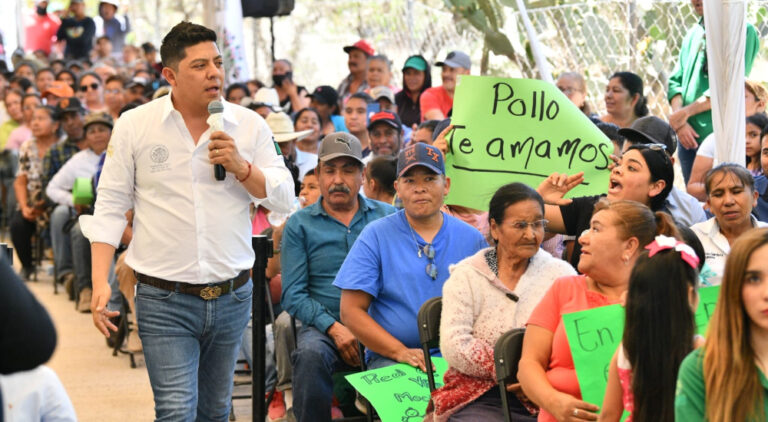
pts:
[420, 154]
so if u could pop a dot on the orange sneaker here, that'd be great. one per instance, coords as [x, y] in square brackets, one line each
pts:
[276, 410]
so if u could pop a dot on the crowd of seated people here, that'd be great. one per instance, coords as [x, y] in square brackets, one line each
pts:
[371, 238]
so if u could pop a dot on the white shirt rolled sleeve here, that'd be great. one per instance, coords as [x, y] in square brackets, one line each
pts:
[187, 225]
[83, 164]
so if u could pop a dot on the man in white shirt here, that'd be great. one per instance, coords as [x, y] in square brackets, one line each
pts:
[191, 246]
[97, 129]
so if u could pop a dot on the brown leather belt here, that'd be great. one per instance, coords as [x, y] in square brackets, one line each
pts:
[205, 291]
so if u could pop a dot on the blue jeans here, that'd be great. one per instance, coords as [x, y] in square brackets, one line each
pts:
[377, 361]
[190, 347]
[270, 371]
[62, 245]
[686, 158]
[314, 362]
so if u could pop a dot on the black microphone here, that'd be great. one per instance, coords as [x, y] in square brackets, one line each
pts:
[513, 297]
[216, 121]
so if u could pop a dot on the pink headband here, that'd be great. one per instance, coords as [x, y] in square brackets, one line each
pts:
[662, 242]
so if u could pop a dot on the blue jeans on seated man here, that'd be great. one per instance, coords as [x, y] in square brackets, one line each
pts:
[190, 347]
[60, 241]
[315, 360]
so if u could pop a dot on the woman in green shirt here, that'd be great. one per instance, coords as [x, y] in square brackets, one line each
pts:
[725, 380]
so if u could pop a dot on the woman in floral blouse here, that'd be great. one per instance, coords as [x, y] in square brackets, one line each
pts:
[29, 186]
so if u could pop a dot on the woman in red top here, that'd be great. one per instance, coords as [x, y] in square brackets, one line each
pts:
[618, 233]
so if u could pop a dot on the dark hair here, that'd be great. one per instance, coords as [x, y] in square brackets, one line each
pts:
[384, 171]
[658, 331]
[362, 96]
[14, 91]
[760, 120]
[311, 172]
[148, 47]
[763, 133]
[84, 74]
[508, 195]
[634, 85]
[68, 72]
[113, 78]
[234, 86]
[33, 95]
[103, 37]
[660, 167]
[428, 124]
[689, 237]
[43, 70]
[741, 173]
[129, 106]
[307, 110]
[427, 75]
[184, 34]
[23, 82]
[286, 61]
[27, 63]
[612, 132]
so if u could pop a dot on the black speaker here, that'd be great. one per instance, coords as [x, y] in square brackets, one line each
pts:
[267, 8]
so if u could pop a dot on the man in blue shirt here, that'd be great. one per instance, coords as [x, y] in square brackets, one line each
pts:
[315, 242]
[402, 260]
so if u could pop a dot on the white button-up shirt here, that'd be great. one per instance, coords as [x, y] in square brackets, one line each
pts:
[716, 246]
[82, 164]
[187, 226]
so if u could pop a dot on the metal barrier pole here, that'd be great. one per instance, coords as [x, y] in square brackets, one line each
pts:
[262, 247]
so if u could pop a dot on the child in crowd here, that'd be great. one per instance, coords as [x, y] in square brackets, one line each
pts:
[725, 380]
[658, 333]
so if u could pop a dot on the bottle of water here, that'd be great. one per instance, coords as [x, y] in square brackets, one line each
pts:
[277, 219]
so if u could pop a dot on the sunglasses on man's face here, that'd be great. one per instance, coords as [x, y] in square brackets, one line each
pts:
[94, 86]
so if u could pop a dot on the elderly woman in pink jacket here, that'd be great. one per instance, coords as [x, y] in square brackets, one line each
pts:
[488, 294]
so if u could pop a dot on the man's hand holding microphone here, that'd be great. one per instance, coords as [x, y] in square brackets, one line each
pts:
[222, 150]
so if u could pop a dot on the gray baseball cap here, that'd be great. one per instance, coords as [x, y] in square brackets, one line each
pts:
[340, 144]
[456, 59]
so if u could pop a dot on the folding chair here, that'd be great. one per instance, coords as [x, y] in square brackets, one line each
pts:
[429, 333]
[506, 356]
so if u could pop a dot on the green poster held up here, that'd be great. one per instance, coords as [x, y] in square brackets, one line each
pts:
[399, 393]
[593, 336]
[519, 130]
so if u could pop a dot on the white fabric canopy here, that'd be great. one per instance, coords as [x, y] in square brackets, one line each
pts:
[226, 18]
[725, 26]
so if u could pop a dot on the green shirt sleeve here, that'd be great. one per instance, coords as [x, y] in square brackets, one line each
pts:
[750, 48]
[690, 397]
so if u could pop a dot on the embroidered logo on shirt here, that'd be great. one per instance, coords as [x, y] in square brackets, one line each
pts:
[159, 155]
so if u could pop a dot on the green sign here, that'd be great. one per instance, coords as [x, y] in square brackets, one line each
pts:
[519, 130]
[707, 301]
[399, 393]
[594, 335]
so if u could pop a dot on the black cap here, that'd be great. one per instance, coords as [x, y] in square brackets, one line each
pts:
[651, 130]
[325, 94]
[67, 105]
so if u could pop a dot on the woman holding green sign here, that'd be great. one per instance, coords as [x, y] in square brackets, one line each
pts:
[725, 380]
[618, 233]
